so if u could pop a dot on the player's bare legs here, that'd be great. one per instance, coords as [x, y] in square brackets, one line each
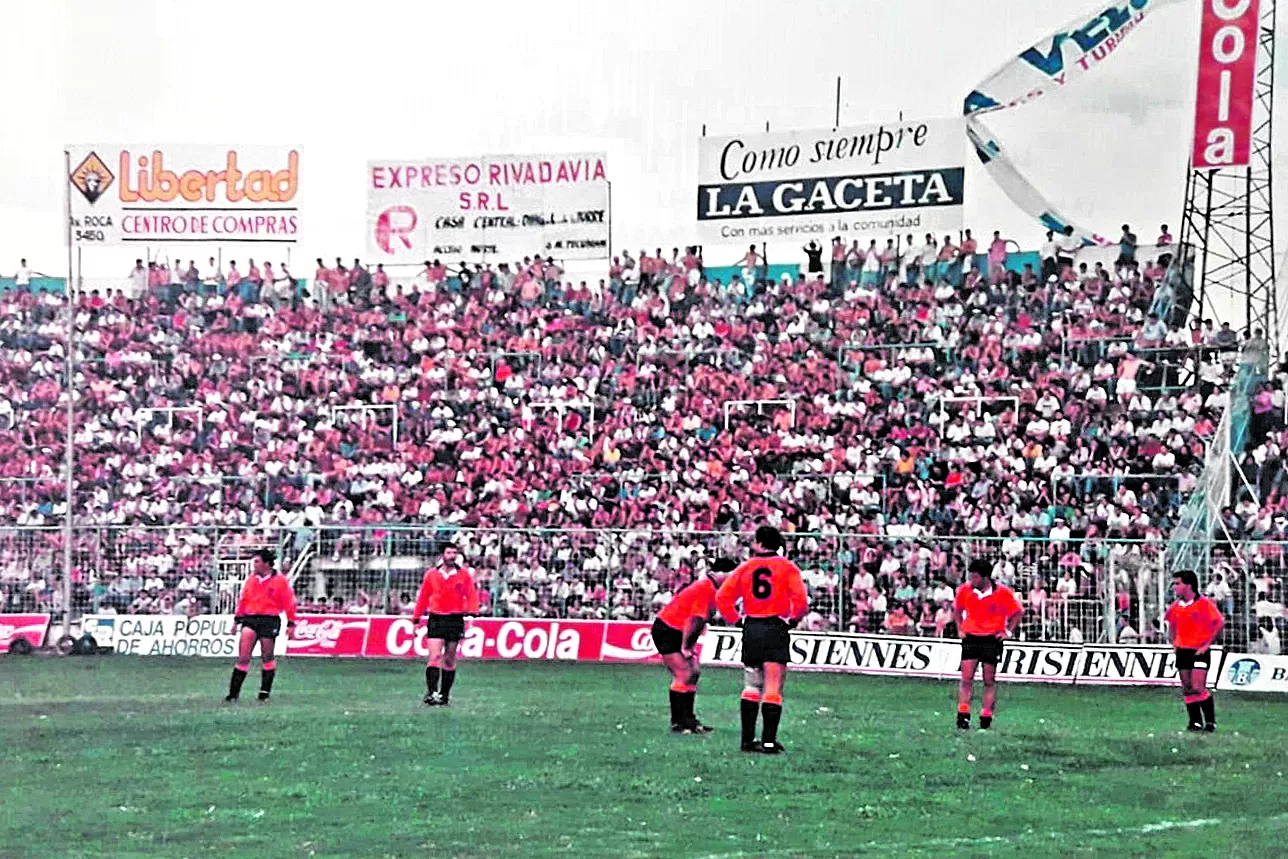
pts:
[245, 649]
[990, 696]
[433, 670]
[448, 664]
[681, 668]
[268, 667]
[965, 691]
[771, 707]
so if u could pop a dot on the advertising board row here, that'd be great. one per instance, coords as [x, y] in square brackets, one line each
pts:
[381, 636]
[30, 628]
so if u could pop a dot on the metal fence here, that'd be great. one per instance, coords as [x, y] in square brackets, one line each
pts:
[1073, 590]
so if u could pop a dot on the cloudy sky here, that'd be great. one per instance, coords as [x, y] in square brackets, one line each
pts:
[639, 80]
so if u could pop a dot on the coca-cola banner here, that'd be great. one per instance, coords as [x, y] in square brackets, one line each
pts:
[495, 638]
[31, 628]
[328, 635]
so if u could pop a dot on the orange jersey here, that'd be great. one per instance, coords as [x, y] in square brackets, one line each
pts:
[768, 586]
[986, 614]
[272, 595]
[447, 594]
[696, 600]
[1196, 624]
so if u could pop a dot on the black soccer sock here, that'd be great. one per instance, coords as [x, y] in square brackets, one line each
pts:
[686, 706]
[1195, 712]
[235, 683]
[266, 681]
[750, 710]
[677, 706]
[431, 679]
[1208, 707]
[772, 713]
[449, 677]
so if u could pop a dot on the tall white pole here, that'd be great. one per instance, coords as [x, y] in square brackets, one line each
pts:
[71, 399]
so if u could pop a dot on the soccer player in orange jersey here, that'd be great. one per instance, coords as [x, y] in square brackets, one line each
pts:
[1193, 623]
[676, 631]
[449, 595]
[773, 601]
[264, 597]
[987, 613]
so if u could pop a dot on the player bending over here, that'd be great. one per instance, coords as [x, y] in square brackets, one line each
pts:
[449, 595]
[986, 613]
[676, 631]
[773, 601]
[1193, 623]
[264, 597]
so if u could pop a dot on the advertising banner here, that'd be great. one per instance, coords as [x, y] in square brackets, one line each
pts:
[30, 628]
[124, 193]
[940, 658]
[1254, 672]
[328, 635]
[494, 638]
[507, 206]
[168, 635]
[1072, 51]
[1227, 76]
[873, 180]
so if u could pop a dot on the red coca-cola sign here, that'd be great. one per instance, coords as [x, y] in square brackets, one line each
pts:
[28, 627]
[328, 635]
[494, 638]
[628, 642]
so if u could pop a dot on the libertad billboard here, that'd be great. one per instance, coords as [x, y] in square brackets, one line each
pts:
[869, 180]
[125, 193]
[488, 206]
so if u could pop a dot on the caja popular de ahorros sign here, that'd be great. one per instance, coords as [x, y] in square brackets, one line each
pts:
[122, 193]
[872, 180]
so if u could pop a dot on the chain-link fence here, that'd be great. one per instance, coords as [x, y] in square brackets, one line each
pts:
[1072, 590]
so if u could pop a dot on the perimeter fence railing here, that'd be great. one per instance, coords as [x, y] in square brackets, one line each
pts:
[1092, 590]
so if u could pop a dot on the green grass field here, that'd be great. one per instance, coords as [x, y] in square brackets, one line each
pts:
[123, 757]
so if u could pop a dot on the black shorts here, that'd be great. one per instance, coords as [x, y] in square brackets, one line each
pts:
[766, 639]
[448, 627]
[667, 638]
[982, 648]
[1187, 659]
[265, 625]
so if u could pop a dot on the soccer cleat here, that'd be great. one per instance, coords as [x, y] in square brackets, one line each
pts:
[431, 700]
[771, 749]
[263, 697]
[698, 728]
[229, 699]
[1194, 728]
[677, 728]
[985, 722]
[1210, 728]
[753, 746]
[963, 721]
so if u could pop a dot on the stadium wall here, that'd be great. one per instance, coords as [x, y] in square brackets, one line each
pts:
[488, 639]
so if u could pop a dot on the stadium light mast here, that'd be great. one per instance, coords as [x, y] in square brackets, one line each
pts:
[1228, 221]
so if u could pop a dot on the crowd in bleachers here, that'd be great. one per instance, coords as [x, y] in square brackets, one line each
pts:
[900, 395]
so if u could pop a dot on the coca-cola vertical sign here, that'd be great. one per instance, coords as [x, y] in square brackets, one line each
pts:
[1227, 76]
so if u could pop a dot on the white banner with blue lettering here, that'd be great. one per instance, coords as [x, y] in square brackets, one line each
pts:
[1068, 54]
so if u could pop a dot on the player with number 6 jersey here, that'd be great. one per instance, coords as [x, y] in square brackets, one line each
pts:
[774, 600]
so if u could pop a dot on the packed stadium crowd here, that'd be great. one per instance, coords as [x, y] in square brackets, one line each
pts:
[892, 398]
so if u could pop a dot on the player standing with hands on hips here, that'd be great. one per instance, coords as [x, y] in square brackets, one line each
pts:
[676, 631]
[773, 601]
[264, 597]
[449, 594]
[986, 614]
[1193, 623]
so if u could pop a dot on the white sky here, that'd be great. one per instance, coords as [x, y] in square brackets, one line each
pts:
[635, 79]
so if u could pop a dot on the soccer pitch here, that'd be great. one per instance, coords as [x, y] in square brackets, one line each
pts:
[124, 757]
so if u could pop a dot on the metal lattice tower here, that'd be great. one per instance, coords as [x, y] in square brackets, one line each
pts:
[1228, 223]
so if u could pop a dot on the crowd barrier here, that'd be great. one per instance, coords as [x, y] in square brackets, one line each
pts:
[386, 637]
